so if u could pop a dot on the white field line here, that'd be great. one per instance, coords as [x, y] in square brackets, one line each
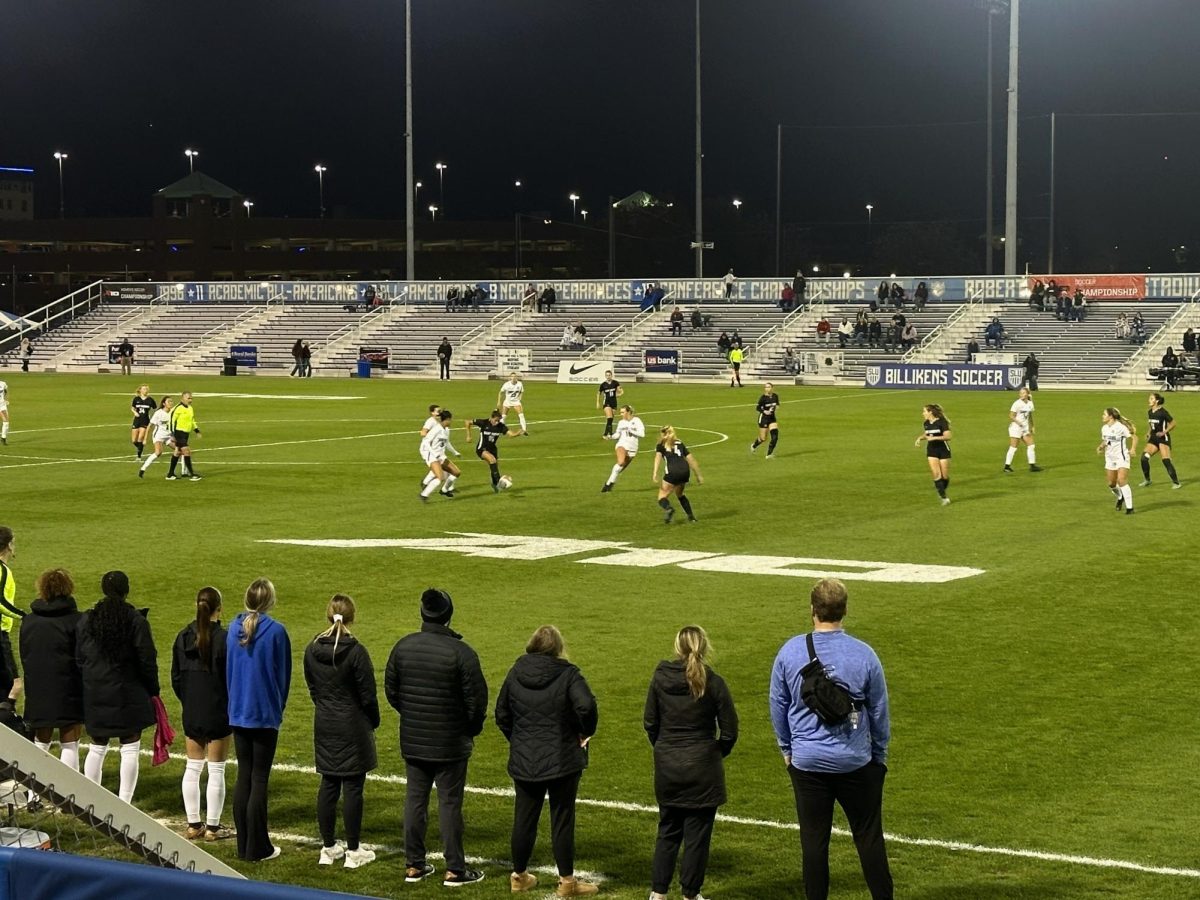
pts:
[957, 846]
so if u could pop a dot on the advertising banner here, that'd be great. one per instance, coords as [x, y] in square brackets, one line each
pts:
[1098, 287]
[665, 362]
[376, 356]
[583, 371]
[245, 354]
[138, 293]
[513, 359]
[912, 376]
[114, 354]
[992, 358]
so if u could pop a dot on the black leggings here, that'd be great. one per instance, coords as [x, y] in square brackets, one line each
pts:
[255, 754]
[351, 786]
[528, 810]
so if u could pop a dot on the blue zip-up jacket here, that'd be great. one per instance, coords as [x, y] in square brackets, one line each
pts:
[259, 674]
[812, 745]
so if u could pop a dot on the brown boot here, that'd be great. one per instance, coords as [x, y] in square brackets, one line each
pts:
[522, 881]
[568, 886]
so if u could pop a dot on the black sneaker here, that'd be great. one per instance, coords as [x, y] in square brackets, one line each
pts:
[422, 498]
[1008, 469]
[1120, 503]
[495, 487]
[141, 473]
[457, 879]
[607, 487]
[1033, 467]
[449, 495]
[1129, 512]
[668, 516]
[413, 874]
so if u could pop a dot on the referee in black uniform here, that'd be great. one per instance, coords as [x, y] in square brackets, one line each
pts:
[767, 425]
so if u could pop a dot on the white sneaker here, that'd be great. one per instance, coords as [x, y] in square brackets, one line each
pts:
[359, 857]
[329, 854]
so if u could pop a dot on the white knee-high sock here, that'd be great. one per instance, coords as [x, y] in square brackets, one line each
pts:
[93, 765]
[615, 473]
[1127, 493]
[449, 485]
[129, 770]
[149, 459]
[216, 793]
[521, 419]
[41, 746]
[191, 790]
[70, 754]
[431, 487]
[4, 428]
[429, 476]
[1031, 453]
[1008, 457]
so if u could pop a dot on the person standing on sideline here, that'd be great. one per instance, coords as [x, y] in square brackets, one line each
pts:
[1118, 442]
[306, 368]
[297, 351]
[258, 673]
[736, 356]
[341, 682]
[843, 762]
[53, 683]
[10, 674]
[4, 412]
[1158, 440]
[198, 661]
[183, 426]
[1020, 428]
[936, 434]
[125, 356]
[547, 714]
[434, 680]
[730, 279]
[118, 664]
[27, 352]
[692, 725]
[444, 352]
[1031, 366]
[799, 289]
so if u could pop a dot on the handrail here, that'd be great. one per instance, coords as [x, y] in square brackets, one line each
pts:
[942, 329]
[786, 322]
[93, 295]
[626, 327]
[199, 342]
[489, 327]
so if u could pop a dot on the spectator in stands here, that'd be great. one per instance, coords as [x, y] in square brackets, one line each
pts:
[547, 299]
[920, 296]
[972, 349]
[1037, 297]
[993, 335]
[735, 339]
[657, 296]
[258, 670]
[1189, 343]
[306, 368]
[478, 297]
[297, 368]
[26, 353]
[791, 364]
[529, 298]
[125, 355]
[369, 296]
[1170, 365]
[787, 298]
[692, 724]
[908, 337]
[548, 715]
[435, 682]
[119, 669]
[53, 682]
[341, 682]
[891, 337]
[874, 332]
[844, 331]
[899, 319]
[860, 327]
[823, 329]
[198, 679]
[452, 297]
[677, 321]
[898, 295]
[724, 344]
[444, 352]
[730, 279]
[799, 289]
[1079, 307]
[564, 342]
[1121, 327]
[1031, 365]
[1137, 328]
[579, 335]
[882, 293]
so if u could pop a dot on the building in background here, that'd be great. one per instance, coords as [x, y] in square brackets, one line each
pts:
[16, 193]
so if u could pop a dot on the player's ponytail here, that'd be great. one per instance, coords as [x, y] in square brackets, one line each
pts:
[260, 598]
[340, 613]
[208, 605]
[1158, 399]
[692, 648]
[668, 435]
[935, 410]
[1114, 413]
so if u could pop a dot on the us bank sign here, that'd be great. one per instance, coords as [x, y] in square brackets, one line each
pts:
[619, 553]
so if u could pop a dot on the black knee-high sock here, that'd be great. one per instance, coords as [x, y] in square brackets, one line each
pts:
[664, 503]
[687, 506]
[774, 441]
[1146, 466]
[495, 467]
[1170, 467]
[939, 485]
[174, 465]
[608, 426]
[139, 445]
[757, 443]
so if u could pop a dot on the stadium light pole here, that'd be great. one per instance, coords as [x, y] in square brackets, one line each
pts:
[992, 8]
[574, 198]
[1010, 188]
[410, 211]
[248, 204]
[321, 170]
[583, 212]
[699, 238]
[62, 204]
[441, 170]
[433, 211]
[870, 211]
[191, 158]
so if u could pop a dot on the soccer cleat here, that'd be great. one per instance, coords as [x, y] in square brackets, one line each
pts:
[606, 488]
[1120, 503]
[770, 456]
[449, 495]
[141, 473]
[4, 441]
[457, 879]
[359, 857]
[753, 447]
[1129, 511]
[1008, 469]
[668, 516]
[171, 478]
[413, 874]
[194, 832]
[217, 833]
[945, 501]
[691, 518]
[1176, 486]
[519, 882]
[1034, 467]
[1145, 483]
[329, 854]
[194, 478]
[495, 487]
[275, 854]
[422, 498]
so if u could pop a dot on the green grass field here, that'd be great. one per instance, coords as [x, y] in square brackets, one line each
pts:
[1044, 705]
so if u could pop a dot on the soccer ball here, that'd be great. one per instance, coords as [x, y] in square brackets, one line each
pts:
[504, 483]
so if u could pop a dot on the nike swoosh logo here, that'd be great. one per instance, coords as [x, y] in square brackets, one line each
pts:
[575, 371]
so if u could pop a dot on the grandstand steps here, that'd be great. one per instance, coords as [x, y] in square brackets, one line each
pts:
[1135, 369]
[481, 347]
[201, 350]
[948, 342]
[766, 358]
[629, 345]
[340, 349]
[275, 335]
[97, 330]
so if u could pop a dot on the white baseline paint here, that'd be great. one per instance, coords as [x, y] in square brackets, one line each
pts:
[255, 396]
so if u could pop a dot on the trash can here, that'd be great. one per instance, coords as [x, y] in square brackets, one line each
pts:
[364, 368]
[230, 366]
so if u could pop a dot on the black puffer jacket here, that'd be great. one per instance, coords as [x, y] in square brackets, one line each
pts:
[53, 683]
[347, 708]
[434, 681]
[116, 693]
[202, 691]
[544, 708]
[688, 754]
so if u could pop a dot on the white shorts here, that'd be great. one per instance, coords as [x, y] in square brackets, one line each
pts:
[1017, 431]
[431, 458]
[162, 437]
[3, 407]
[630, 447]
[507, 406]
[1113, 463]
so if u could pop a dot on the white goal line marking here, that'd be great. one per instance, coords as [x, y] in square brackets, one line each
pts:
[1098, 862]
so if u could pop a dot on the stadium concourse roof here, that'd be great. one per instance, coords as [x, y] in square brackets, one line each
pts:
[638, 200]
[197, 184]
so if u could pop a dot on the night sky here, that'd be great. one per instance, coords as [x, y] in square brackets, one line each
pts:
[595, 96]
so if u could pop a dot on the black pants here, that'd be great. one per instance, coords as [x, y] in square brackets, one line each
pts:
[444, 369]
[352, 807]
[531, 795]
[451, 780]
[255, 753]
[693, 829]
[860, 794]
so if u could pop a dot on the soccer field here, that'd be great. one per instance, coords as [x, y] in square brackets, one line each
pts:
[1043, 726]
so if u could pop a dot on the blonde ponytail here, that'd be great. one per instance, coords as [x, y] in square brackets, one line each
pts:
[260, 599]
[692, 648]
[340, 613]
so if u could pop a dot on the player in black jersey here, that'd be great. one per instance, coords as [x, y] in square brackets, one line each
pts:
[1159, 441]
[767, 404]
[936, 435]
[680, 464]
[608, 392]
[491, 430]
[143, 405]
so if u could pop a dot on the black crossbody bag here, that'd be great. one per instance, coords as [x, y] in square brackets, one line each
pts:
[829, 700]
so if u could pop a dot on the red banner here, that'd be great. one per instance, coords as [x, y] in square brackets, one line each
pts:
[1099, 287]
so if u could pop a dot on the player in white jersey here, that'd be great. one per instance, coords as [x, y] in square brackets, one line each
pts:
[629, 430]
[1118, 442]
[3, 412]
[436, 445]
[160, 433]
[509, 397]
[1020, 428]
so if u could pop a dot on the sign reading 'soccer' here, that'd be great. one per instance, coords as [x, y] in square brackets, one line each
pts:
[937, 376]
[583, 371]
[618, 553]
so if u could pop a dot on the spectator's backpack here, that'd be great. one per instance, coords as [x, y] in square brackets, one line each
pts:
[828, 699]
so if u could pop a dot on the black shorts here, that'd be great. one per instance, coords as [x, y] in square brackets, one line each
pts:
[610, 407]
[181, 438]
[141, 422]
[7, 661]
[737, 367]
[766, 421]
[204, 735]
[495, 451]
[677, 481]
[1163, 440]
[937, 450]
